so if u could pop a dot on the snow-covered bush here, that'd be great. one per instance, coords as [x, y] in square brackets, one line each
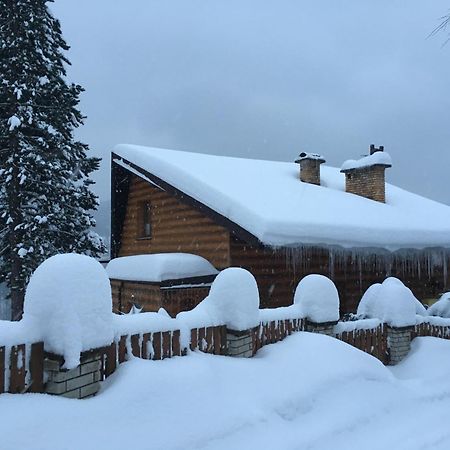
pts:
[69, 299]
[318, 299]
[442, 307]
[232, 301]
[391, 302]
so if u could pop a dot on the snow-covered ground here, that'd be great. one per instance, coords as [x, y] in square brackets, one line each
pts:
[309, 391]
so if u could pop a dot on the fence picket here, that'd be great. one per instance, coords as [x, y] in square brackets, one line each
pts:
[157, 346]
[17, 369]
[176, 346]
[36, 366]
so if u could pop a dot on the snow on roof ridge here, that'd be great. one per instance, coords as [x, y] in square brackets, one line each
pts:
[376, 159]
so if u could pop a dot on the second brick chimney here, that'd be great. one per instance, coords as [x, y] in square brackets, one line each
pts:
[365, 176]
[310, 167]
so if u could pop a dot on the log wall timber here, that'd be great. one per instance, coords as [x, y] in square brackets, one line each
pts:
[151, 297]
[176, 227]
[278, 271]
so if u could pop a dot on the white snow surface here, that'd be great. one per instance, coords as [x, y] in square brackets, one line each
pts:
[159, 267]
[267, 199]
[378, 158]
[391, 302]
[442, 307]
[307, 392]
[318, 299]
[233, 301]
[68, 299]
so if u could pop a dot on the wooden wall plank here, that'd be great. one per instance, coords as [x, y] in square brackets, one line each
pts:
[122, 349]
[176, 344]
[36, 365]
[110, 363]
[166, 344]
[157, 354]
[17, 369]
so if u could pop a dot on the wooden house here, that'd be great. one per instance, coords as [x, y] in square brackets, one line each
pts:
[280, 220]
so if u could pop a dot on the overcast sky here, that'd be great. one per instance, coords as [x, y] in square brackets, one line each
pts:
[267, 79]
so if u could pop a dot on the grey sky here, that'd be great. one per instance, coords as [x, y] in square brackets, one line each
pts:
[267, 79]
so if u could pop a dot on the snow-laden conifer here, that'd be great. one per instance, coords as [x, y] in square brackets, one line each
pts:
[45, 199]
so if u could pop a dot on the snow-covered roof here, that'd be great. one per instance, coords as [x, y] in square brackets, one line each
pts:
[159, 267]
[267, 199]
[376, 159]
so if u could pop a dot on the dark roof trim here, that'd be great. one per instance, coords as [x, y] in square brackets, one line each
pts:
[233, 227]
[200, 280]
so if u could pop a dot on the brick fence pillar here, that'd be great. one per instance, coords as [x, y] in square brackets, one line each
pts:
[399, 343]
[240, 343]
[81, 382]
[321, 328]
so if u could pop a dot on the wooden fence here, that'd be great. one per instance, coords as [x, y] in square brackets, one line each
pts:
[372, 341]
[22, 368]
[426, 329]
[274, 331]
[161, 345]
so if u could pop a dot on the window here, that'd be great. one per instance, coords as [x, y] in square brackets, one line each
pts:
[145, 224]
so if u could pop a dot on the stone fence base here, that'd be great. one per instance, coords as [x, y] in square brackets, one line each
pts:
[81, 382]
[240, 343]
[398, 343]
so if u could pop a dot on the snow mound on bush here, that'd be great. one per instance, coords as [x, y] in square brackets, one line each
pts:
[318, 299]
[69, 299]
[391, 302]
[442, 307]
[232, 301]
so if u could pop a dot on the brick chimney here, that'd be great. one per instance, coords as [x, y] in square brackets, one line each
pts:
[310, 167]
[366, 177]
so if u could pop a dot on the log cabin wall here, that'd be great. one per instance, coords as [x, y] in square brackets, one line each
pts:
[127, 293]
[151, 297]
[175, 300]
[175, 227]
[278, 271]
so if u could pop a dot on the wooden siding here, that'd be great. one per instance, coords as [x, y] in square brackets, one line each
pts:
[278, 272]
[127, 293]
[175, 300]
[176, 227]
[151, 297]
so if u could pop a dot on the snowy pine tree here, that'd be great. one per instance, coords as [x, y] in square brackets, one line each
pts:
[45, 197]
